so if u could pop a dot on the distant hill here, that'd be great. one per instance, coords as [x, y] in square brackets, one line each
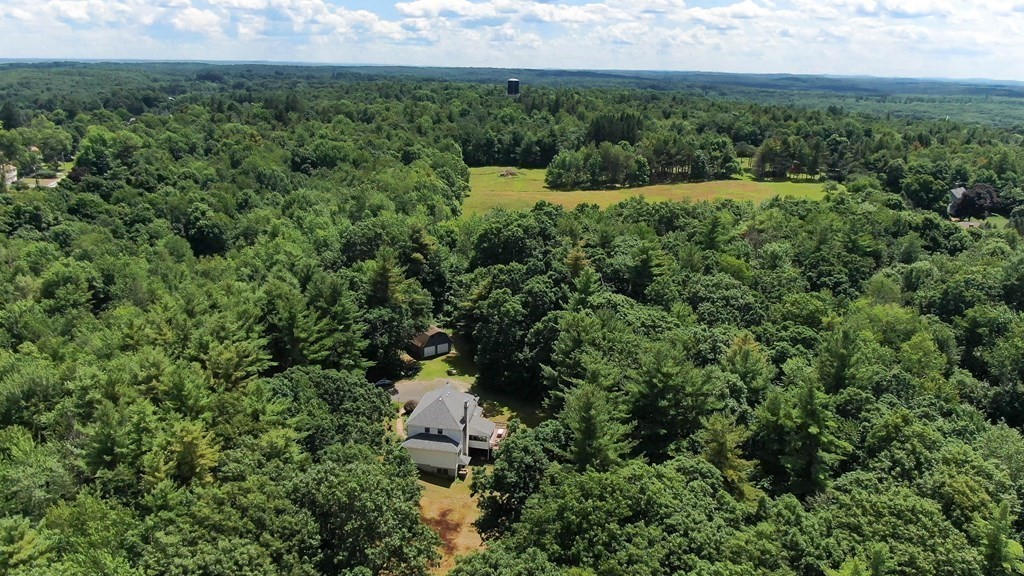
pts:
[996, 102]
[708, 80]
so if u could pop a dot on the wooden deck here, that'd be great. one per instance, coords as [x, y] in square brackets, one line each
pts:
[498, 435]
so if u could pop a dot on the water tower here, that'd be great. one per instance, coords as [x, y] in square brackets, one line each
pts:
[513, 86]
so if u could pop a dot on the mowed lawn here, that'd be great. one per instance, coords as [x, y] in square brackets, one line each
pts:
[520, 192]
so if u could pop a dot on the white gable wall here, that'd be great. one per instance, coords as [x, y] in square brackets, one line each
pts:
[431, 460]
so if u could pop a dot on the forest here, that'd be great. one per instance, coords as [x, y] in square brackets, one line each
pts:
[195, 316]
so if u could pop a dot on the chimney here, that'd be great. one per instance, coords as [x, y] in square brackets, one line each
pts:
[465, 429]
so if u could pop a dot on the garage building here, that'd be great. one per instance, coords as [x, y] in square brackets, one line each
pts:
[430, 344]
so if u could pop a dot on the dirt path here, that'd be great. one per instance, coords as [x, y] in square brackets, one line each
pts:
[400, 424]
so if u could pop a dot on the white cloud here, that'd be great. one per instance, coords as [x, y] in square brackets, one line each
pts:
[19, 14]
[195, 20]
[250, 27]
[906, 37]
[72, 10]
[242, 4]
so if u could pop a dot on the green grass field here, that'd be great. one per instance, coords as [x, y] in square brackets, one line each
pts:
[491, 190]
[998, 221]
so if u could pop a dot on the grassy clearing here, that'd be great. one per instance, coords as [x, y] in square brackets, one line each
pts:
[490, 190]
[62, 171]
[449, 509]
[998, 221]
[497, 406]
[33, 182]
[461, 366]
[501, 407]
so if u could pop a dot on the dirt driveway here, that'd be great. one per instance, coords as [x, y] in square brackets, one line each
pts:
[415, 389]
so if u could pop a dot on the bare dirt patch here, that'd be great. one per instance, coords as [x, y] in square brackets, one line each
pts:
[449, 509]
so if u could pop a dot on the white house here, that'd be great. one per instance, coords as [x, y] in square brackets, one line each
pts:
[444, 426]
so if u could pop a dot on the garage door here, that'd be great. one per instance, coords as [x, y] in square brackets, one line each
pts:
[429, 351]
[442, 349]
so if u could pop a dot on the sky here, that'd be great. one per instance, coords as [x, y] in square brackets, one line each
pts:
[913, 38]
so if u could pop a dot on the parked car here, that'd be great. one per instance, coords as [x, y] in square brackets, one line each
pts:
[384, 383]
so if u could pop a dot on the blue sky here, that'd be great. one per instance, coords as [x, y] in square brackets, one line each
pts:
[933, 38]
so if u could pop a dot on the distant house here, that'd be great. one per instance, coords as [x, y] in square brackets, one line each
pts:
[430, 344]
[10, 173]
[955, 196]
[443, 428]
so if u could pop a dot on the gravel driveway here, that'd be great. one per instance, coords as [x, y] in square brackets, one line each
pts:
[415, 389]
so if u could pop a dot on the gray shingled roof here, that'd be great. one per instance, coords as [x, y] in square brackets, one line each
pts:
[435, 414]
[480, 426]
[442, 408]
[436, 442]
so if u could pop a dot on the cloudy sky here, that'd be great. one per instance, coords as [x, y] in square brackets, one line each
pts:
[933, 38]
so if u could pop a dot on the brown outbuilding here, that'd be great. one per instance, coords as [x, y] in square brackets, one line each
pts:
[430, 344]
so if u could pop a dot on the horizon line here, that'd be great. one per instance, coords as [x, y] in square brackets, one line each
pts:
[299, 63]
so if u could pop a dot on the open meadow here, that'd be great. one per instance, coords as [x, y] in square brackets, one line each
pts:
[491, 189]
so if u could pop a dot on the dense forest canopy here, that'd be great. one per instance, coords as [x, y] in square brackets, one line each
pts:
[794, 388]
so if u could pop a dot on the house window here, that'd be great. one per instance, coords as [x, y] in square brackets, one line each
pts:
[426, 430]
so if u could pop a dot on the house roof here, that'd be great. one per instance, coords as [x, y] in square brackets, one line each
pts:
[420, 340]
[436, 442]
[443, 408]
[435, 414]
[480, 426]
[958, 192]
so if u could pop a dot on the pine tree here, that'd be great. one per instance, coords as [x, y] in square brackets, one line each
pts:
[722, 439]
[668, 397]
[595, 422]
[794, 434]
[747, 360]
[576, 261]
[586, 285]
[1003, 555]
[837, 359]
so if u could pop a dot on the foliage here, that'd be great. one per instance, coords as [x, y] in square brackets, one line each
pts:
[194, 317]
